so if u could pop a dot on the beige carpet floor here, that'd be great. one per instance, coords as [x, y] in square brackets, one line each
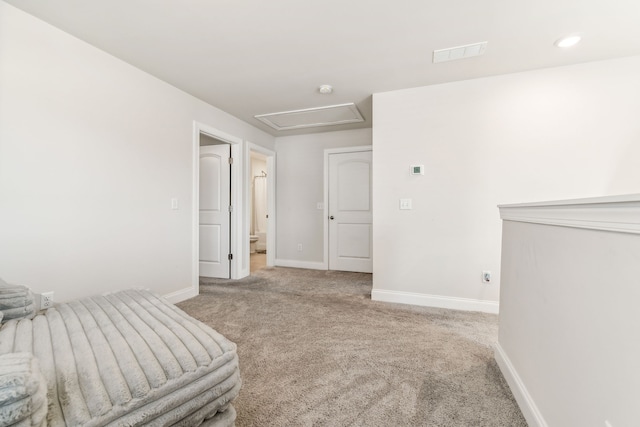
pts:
[316, 351]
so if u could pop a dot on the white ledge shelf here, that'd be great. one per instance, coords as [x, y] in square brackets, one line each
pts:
[612, 213]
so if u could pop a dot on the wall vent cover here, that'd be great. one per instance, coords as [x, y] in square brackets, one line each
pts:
[330, 115]
[459, 52]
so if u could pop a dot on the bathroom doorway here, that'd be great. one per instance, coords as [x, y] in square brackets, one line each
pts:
[261, 204]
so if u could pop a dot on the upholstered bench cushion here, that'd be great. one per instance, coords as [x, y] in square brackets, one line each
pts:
[128, 358]
[23, 391]
[16, 302]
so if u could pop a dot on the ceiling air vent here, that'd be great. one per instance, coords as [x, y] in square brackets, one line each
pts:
[459, 52]
[330, 115]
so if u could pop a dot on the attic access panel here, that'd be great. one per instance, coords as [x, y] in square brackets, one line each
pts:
[330, 115]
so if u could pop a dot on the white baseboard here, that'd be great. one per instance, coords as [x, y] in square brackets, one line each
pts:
[525, 402]
[310, 265]
[426, 300]
[181, 295]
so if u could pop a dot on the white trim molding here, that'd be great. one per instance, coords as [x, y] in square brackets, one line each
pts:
[181, 295]
[309, 265]
[528, 407]
[439, 301]
[613, 213]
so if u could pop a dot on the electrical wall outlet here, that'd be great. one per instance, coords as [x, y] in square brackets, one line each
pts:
[486, 276]
[46, 300]
[405, 204]
[299, 247]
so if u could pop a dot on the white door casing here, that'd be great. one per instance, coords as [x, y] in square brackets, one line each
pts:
[214, 215]
[350, 211]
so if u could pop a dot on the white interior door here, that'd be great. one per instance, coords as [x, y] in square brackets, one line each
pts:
[215, 199]
[350, 212]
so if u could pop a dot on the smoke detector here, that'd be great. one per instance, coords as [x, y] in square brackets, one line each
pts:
[325, 89]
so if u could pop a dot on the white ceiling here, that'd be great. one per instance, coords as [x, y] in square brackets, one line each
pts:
[251, 57]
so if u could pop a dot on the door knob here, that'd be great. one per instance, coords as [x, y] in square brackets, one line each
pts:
[331, 217]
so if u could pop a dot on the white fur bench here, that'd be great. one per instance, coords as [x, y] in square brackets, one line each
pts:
[125, 359]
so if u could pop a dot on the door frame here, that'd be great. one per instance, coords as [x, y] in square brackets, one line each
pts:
[235, 242]
[271, 203]
[325, 226]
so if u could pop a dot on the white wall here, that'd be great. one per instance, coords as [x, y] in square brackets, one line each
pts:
[300, 187]
[568, 340]
[548, 134]
[91, 152]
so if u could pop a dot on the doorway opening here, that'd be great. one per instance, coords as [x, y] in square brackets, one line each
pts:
[348, 232]
[261, 207]
[259, 211]
[232, 251]
[214, 208]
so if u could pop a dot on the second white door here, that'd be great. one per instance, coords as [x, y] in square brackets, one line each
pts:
[215, 199]
[350, 212]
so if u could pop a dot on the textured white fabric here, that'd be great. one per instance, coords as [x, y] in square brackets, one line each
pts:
[16, 302]
[128, 358]
[23, 391]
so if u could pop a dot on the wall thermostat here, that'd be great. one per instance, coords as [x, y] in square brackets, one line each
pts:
[417, 170]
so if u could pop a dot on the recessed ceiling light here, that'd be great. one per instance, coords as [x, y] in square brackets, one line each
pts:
[325, 89]
[568, 41]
